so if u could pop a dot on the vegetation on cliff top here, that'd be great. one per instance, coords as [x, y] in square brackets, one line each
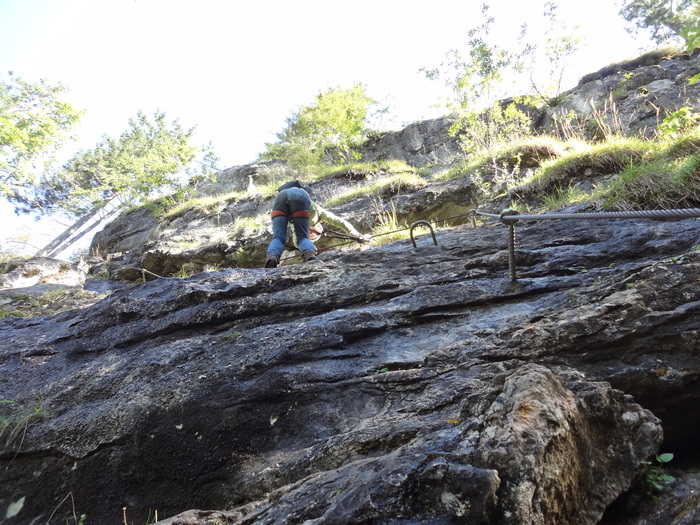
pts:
[327, 134]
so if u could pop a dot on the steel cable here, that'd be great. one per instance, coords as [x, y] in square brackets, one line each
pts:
[511, 218]
[633, 214]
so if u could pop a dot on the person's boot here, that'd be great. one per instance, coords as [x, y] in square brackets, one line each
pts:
[309, 255]
[272, 260]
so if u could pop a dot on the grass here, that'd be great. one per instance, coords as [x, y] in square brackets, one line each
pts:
[244, 224]
[528, 153]
[659, 184]
[385, 186]
[565, 197]
[208, 204]
[635, 174]
[387, 227]
[12, 312]
[589, 160]
[363, 170]
[15, 418]
[48, 303]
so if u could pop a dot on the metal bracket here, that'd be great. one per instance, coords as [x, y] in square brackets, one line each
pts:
[424, 223]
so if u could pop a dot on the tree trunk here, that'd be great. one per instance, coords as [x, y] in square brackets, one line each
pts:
[79, 235]
[62, 241]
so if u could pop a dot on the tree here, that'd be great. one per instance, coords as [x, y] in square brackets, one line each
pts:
[665, 19]
[560, 43]
[692, 40]
[324, 131]
[95, 184]
[34, 123]
[477, 84]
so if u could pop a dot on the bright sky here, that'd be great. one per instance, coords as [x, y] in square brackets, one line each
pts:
[236, 69]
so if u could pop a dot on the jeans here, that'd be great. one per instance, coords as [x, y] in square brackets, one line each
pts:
[293, 205]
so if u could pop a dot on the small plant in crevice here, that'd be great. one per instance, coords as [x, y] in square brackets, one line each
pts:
[76, 520]
[244, 259]
[387, 228]
[655, 478]
[213, 267]
[15, 419]
[681, 121]
[184, 273]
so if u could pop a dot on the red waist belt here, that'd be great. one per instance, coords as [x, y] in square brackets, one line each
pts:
[300, 213]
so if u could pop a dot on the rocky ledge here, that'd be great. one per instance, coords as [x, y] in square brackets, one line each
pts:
[392, 385]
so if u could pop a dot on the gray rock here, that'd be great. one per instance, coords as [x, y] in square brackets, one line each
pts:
[24, 273]
[631, 97]
[391, 385]
[388, 385]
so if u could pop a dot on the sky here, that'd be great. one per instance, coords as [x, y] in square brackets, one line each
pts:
[235, 70]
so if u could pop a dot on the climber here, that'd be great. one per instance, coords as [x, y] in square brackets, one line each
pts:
[293, 204]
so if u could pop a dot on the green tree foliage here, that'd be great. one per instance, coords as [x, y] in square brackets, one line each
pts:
[665, 19]
[560, 43]
[34, 123]
[692, 35]
[97, 183]
[325, 131]
[143, 160]
[478, 82]
[692, 40]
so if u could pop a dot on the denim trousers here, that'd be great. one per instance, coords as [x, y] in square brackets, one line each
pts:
[291, 205]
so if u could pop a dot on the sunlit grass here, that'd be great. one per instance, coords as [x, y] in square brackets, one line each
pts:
[242, 224]
[660, 184]
[390, 185]
[527, 153]
[566, 197]
[206, 204]
[366, 169]
[634, 174]
[591, 160]
[387, 227]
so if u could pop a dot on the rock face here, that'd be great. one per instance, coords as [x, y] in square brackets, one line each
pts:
[43, 286]
[629, 98]
[420, 144]
[390, 385]
[632, 97]
[21, 274]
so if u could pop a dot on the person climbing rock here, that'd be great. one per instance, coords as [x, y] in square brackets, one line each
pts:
[294, 204]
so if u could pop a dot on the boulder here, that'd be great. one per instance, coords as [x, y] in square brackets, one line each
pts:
[23, 273]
